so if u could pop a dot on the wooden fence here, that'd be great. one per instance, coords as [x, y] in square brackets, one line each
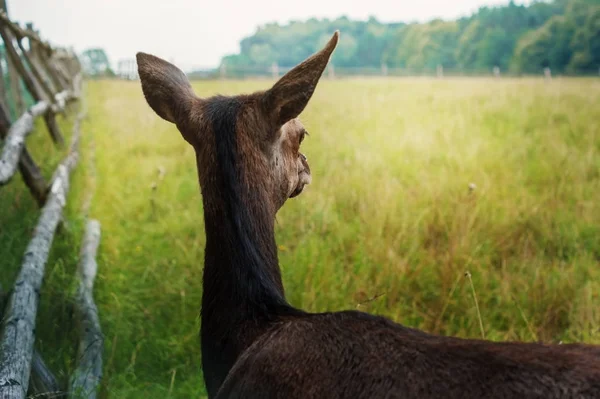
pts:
[52, 79]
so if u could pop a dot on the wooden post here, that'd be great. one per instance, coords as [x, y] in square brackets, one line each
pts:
[33, 57]
[70, 64]
[33, 178]
[15, 141]
[331, 71]
[29, 170]
[440, 71]
[3, 97]
[275, 70]
[46, 56]
[222, 71]
[77, 62]
[40, 54]
[547, 73]
[15, 87]
[35, 71]
[497, 71]
[61, 71]
[42, 380]
[29, 82]
[18, 334]
[87, 375]
[384, 69]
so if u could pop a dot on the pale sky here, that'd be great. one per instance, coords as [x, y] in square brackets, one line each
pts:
[197, 33]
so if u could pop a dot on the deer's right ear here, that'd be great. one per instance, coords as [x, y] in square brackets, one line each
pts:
[290, 95]
[166, 88]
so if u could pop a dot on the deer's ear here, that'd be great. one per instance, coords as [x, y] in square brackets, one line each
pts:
[290, 95]
[166, 88]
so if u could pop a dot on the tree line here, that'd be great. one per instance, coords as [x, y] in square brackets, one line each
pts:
[563, 35]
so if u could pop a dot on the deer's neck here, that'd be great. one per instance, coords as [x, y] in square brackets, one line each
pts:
[242, 287]
[241, 271]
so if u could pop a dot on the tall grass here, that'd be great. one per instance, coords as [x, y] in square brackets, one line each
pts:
[458, 206]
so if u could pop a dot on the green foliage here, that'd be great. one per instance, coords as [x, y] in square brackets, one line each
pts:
[565, 43]
[561, 34]
[422, 46]
[362, 43]
[545, 47]
[490, 36]
[586, 44]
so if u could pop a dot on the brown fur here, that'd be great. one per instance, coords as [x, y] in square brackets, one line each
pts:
[256, 345]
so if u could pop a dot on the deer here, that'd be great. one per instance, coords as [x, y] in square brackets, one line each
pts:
[254, 343]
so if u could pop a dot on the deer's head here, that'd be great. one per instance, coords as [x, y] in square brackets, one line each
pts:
[262, 128]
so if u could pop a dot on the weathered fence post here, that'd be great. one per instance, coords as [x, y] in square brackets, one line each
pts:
[18, 325]
[43, 382]
[384, 69]
[330, 71]
[29, 83]
[496, 71]
[15, 87]
[14, 129]
[86, 378]
[42, 55]
[3, 96]
[440, 71]
[275, 70]
[547, 73]
[29, 171]
[37, 74]
[44, 72]
[15, 141]
[33, 58]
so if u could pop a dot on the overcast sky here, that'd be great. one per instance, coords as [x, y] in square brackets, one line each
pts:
[197, 33]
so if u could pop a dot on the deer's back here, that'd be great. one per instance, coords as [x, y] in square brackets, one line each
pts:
[356, 355]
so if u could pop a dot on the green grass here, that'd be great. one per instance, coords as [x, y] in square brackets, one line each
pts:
[388, 226]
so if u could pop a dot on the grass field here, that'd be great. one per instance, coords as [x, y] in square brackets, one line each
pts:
[415, 183]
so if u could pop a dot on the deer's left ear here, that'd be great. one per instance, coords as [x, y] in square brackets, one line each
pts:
[290, 95]
[166, 88]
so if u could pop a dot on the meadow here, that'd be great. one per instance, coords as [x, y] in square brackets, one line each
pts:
[465, 207]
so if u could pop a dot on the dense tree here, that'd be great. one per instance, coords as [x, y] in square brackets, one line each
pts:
[566, 43]
[561, 34]
[586, 44]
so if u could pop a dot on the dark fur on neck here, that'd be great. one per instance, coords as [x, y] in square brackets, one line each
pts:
[243, 292]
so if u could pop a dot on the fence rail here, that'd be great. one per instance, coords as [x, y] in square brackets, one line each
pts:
[127, 70]
[51, 78]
